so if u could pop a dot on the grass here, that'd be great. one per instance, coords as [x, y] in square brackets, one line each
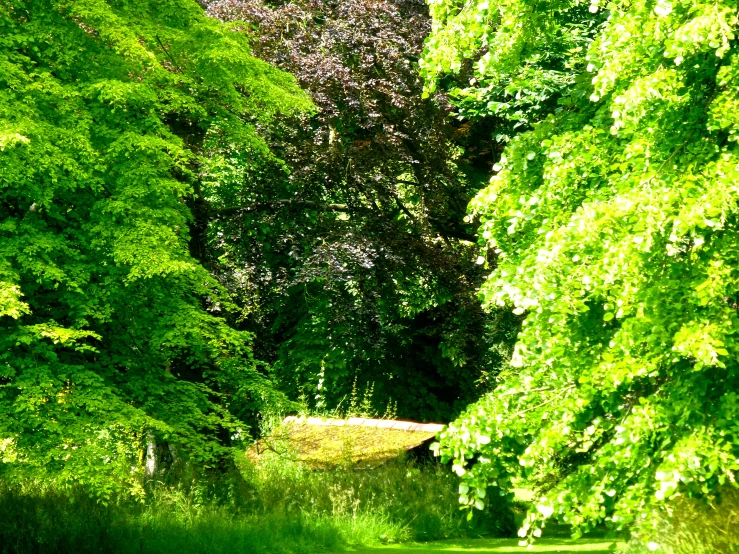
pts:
[278, 507]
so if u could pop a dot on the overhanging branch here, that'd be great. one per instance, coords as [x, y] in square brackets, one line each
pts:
[234, 210]
[330, 207]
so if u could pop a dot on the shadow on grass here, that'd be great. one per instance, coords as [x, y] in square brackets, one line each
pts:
[501, 546]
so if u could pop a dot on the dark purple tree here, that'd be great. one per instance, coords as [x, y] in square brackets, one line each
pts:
[351, 256]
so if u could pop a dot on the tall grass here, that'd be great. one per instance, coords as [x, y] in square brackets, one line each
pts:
[279, 507]
[422, 498]
[689, 526]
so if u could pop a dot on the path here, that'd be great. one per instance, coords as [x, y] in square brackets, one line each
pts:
[500, 546]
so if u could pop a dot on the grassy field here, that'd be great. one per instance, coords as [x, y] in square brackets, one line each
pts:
[500, 546]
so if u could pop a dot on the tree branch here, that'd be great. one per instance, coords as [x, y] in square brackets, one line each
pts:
[282, 202]
[236, 210]
[402, 207]
[547, 401]
[171, 59]
[444, 230]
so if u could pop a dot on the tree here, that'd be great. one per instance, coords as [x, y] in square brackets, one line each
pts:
[353, 261]
[614, 223]
[110, 327]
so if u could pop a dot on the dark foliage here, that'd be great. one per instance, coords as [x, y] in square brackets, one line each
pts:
[355, 252]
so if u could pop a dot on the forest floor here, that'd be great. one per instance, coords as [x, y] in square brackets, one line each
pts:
[499, 546]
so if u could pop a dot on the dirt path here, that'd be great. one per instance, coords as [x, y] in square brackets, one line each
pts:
[500, 546]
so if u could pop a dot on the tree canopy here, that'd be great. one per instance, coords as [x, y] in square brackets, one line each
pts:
[360, 266]
[111, 330]
[613, 222]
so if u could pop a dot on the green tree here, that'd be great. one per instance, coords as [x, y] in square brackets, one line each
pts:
[614, 223]
[110, 327]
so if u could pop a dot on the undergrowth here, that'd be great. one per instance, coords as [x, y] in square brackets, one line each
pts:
[274, 508]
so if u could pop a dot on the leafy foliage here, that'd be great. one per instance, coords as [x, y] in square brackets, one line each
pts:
[109, 330]
[493, 67]
[353, 260]
[614, 222]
